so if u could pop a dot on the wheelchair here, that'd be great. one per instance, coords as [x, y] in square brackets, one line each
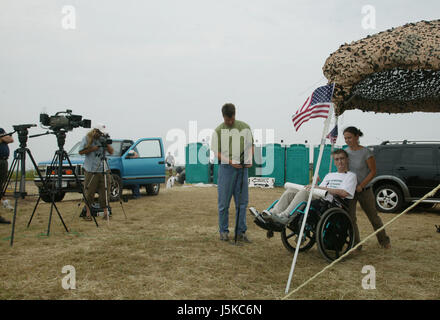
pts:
[328, 224]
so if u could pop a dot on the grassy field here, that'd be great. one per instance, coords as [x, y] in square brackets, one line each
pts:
[169, 248]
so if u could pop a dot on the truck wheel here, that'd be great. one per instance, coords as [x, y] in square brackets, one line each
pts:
[46, 196]
[389, 198]
[152, 189]
[115, 187]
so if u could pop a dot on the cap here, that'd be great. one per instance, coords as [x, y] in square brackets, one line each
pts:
[101, 127]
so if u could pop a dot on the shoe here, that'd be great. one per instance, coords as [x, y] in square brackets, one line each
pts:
[243, 238]
[4, 221]
[387, 246]
[266, 213]
[224, 236]
[254, 212]
[87, 218]
[7, 205]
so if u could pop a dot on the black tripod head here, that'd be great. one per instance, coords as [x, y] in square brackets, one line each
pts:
[22, 130]
[59, 133]
[61, 138]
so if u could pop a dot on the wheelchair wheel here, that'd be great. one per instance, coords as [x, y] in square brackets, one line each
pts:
[290, 236]
[335, 234]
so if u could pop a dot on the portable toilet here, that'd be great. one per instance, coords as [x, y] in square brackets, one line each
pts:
[197, 167]
[255, 170]
[273, 167]
[297, 164]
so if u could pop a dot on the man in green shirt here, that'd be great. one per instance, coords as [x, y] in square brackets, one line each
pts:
[232, 143]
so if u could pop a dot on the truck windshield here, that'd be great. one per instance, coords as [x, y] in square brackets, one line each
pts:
[116, 146]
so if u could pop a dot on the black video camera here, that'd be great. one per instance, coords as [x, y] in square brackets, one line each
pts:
[64, 120]
[104, 140]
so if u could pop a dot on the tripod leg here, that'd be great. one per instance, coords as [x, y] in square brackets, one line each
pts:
[33, 212]
[35, 164]
[52, 192]
[61, 218]
[10, 173]
[13, 221]
[16, 201]
[106, 196]
[41, 179]
[60, 156]
[123, 209]
[53, 205]
[50, 217]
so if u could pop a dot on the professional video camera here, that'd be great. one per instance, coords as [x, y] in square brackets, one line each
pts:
[105, 140]
[64, 120]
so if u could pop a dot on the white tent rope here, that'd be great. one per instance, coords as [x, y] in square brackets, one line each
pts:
[429, 194]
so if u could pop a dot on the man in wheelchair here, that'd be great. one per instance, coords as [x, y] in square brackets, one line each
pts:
[339, 185]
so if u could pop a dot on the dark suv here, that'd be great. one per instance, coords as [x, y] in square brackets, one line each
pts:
[406, 171]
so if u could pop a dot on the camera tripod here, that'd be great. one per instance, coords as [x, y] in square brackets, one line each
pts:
[19, 163]
[57, 162]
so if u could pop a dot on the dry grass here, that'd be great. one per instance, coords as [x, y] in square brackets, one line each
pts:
[169, 248]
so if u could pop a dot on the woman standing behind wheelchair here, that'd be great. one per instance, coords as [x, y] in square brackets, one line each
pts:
[363, 164]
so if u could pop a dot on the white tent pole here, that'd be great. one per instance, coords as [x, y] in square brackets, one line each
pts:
[332, 148]
[315, 177]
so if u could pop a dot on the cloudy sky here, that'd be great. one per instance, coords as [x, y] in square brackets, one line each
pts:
[149, 68]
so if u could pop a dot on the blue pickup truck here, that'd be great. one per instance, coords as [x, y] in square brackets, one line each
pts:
[141, 162]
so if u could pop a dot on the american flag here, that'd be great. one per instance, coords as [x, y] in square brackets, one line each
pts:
[333, 135]
[316, 106]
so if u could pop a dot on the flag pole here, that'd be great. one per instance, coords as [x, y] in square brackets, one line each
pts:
[315, 177]
[333, 147]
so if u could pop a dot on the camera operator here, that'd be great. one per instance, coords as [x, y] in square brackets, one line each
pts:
[4, 155]
[93, 145]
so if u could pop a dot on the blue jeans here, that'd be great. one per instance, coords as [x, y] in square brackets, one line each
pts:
[135, 189]
[229, 183]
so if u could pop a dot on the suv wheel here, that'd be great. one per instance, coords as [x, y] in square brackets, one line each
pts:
[389, 198]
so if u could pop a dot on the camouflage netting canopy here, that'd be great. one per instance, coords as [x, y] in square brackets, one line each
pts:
[394, 71]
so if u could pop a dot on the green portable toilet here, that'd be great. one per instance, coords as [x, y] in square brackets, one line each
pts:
[197, 168]
[255, 170]
[297, 164]
[273, 167]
